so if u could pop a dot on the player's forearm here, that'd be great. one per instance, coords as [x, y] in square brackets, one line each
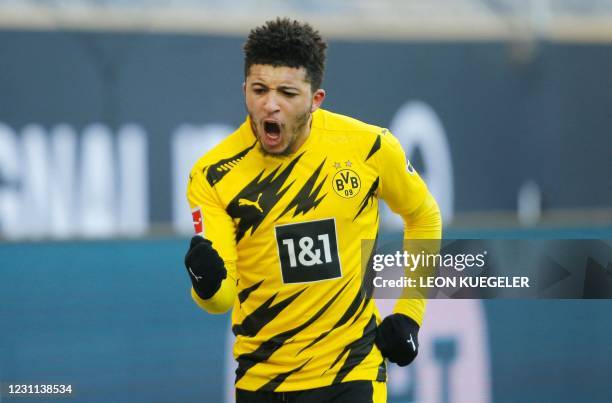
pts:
[222, 301]
[213, 279]
[425, 222]
[414, 308]
[422, 232]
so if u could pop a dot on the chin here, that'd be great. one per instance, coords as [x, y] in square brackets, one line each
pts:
[273, 151]
[277, 151]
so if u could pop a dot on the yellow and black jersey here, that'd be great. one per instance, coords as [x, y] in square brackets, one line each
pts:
[289, 229]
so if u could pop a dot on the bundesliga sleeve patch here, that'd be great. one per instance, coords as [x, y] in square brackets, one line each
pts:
[198, 226]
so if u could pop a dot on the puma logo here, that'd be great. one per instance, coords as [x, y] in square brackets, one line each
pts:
[410, 341]
[247, 202]
[197, 278]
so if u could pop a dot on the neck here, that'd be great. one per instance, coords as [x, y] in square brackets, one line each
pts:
[303, 136]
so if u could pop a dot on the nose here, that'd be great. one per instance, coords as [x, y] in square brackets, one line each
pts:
[271, 102]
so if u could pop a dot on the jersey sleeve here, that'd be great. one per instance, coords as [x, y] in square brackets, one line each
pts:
[218, 227]
[407, 195]
[400, 185]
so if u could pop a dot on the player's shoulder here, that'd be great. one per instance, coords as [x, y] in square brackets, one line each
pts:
[336, 122]
[229, 150]
[345, 130]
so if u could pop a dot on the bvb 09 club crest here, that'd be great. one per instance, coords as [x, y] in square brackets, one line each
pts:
[346, 183]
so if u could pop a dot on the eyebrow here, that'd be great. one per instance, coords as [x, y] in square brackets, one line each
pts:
[280, 87]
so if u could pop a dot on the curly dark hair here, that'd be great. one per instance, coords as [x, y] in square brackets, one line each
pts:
[283, 42]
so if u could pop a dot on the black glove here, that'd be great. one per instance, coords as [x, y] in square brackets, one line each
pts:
[397, 339]
[205, 267]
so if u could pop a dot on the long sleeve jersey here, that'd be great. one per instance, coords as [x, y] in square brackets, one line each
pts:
[290, 230]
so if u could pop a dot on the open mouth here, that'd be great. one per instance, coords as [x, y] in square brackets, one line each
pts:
[272, 134]
[272, 129]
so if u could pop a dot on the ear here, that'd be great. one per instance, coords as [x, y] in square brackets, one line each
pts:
[244, 88]
[317, 99]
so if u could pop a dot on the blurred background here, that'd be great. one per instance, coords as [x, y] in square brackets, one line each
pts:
[504, 106]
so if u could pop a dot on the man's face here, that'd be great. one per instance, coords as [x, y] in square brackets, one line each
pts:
[280, 102]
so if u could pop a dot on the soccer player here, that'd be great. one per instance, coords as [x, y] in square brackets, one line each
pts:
[280, 207]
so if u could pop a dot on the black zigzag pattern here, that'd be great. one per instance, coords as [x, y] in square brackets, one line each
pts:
[219, 169]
